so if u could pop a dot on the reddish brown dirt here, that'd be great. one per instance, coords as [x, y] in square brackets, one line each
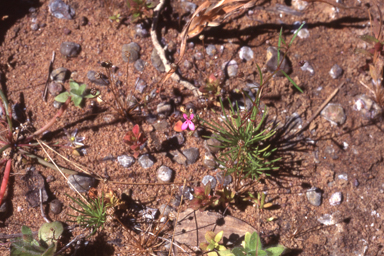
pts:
[25, 56]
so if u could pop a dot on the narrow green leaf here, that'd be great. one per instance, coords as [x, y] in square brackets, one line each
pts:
[294, 36]
[76, 100]
[62, 97]
[279, 44]
[293, 82]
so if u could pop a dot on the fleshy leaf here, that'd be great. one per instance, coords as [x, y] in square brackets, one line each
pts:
[73, 85]
[219, 236]
[76, 100]
[62, 97]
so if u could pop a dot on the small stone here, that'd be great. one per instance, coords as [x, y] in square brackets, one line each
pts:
[139, 65]
[212, 145]
[66, 31]
[178, 157]
[60, 75]
[140, 31]
[81, 182]
[272, 63]
[131, 100]
[336, 71]
[165, 210]
[61, 10]
[150, 213]
[211, 50]
[83, 21]
[146, 161]
[299, 4]
[326, 219]
[70, 49]
[57, 104]
[164, 109]
[246, 53]
[336, 199]
[308, 67]
[156, 61]
[343, 176]
[56, 206]
[368, 108]
[209, 178]
[55, 88]
[231, 67]
[35, 27]
[164, 173]
[161, 125]
[97, 78]
[189, 7]
[209, 160]
[314, 196]
[140, 85]
[126, 161]
[186, 192]
[50, 179]
[192, 154]
[303, 33]
[130, 52]
[224, 180]
[187, 64]
[334, 113]
[198, 56]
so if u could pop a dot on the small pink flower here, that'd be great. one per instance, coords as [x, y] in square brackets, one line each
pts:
[188, 123]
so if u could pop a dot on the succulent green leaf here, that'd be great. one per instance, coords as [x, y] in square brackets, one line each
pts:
[50, 232]
[219, 236]
[73, 85]
[27, 234]
[62, 97]
[82, 89]
[275, 251]
[90, 96]
[77, 100]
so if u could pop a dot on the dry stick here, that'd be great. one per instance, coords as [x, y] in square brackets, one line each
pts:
[49, 75]
[151, 184]
[78, 166]
[320, 108]
[41, 207]
[177, 217]
[160, 51]
[50, 158]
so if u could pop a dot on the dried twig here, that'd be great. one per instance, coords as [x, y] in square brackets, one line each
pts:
[160, 51]
[49, 77]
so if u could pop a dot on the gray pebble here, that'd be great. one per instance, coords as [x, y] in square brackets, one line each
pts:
[139, 65]
[211, 50]
[198, 56]
[187, 64]
[246, 53]
[178, 157]
[272, 63]
[186, 192]
[146, 161]
[61, 10]
[161, 125]
[125, 161]
[209, 160]
[314, 196]
[97, 78]
[130, 52]
[60, 75]
[334, 113]
[55, 88]
[192, 154]
[156, 61]
[81, 182]
[224, 180]
[57, 104]
[50, 179]
[231, 67]
[336, 199]
[70, 49]
[131, 100]
[66, 31]
[164, 109]
[165, 210]
[212, 145]
[308, 67]
[35, 26]
[209, 178]
[368, 108]
[56, 206]
[140, 85]
[326, 219]
[140, 31]
[164, 173]
[336, 71]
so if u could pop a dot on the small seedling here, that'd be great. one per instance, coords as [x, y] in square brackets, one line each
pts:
[213, 243]
[116, 17]
[203, 198]
[252, 246]
[49, 234]
[77, 94]
[140, 9]
[135, 139]
[258, 201]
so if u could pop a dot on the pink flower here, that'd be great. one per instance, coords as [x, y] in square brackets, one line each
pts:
[188, 123]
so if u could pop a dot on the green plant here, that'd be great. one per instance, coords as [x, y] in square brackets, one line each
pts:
[77, 93]
[135, 139]
[203, 199]
[252, 247]
[48, 235]
[116, 17]
[213, 243]
[93, 214]
[246, 143]
[140, 8]
[258, 200]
